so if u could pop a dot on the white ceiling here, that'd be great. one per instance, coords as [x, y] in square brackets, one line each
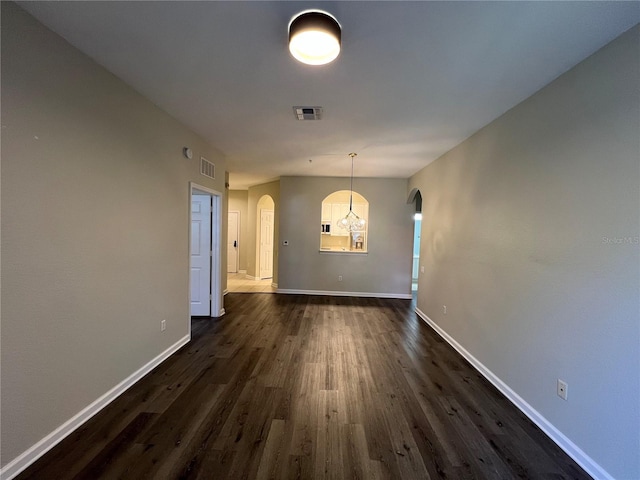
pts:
[413, 80]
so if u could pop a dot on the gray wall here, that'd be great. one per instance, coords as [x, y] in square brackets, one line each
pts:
[385, 269]
[530, 237]
[95, 221]
[239, 201]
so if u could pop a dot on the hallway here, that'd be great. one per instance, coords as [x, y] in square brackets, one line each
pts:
[239, 283]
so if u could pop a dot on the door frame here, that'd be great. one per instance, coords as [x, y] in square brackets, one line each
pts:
[217, 306]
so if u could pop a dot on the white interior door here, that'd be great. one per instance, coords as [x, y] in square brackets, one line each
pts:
[232, 242]
[200, 255]
[266, 243]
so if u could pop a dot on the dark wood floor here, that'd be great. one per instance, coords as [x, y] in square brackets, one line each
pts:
[307, 387]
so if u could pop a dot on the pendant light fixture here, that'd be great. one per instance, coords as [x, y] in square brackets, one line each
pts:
[314, 37]
[351, 222]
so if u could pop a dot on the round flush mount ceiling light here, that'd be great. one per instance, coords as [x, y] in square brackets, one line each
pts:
[314, 37]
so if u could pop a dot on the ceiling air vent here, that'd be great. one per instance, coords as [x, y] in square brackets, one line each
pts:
[207, 168]
[308, 113]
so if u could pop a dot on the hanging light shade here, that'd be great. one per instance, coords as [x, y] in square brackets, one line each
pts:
[351, 222]
[314, 37]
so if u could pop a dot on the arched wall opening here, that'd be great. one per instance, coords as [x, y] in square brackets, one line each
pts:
[265, 226]
[415, 198]
[334, 237]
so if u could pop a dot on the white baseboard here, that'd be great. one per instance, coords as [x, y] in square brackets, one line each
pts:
[29, 456]
[570, 448]
[251, 277]
[242, 272]
[225, 291]
[274, 285]
[289, 291]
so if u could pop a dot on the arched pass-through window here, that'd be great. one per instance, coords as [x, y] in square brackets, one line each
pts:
[334, 238]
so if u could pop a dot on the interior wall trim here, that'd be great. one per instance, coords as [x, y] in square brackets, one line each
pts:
[332, 293]
[570, 448]
[29, 456]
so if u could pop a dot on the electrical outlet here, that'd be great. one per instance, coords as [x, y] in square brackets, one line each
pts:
[163, 325]
[562, 389]
[421, 268]
[444, 309]
[339, 278]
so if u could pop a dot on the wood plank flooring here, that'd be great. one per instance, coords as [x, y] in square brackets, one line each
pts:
[302, 387]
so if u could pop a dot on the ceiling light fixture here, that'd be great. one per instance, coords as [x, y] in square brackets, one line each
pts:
[314, 37]
[351, 222]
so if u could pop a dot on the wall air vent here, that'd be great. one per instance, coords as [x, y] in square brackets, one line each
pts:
[308, 113]
[207, 168]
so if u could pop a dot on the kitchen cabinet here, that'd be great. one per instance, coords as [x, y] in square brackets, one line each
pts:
[338, 211]
[361, 210]
[326, 213]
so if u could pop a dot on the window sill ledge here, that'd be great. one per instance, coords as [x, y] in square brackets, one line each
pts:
[344, 252]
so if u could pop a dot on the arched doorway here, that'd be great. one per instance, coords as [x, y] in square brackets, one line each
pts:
[264, 237]
[415, 197]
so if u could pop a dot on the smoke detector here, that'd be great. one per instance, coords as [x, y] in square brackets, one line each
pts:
[308, 113]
